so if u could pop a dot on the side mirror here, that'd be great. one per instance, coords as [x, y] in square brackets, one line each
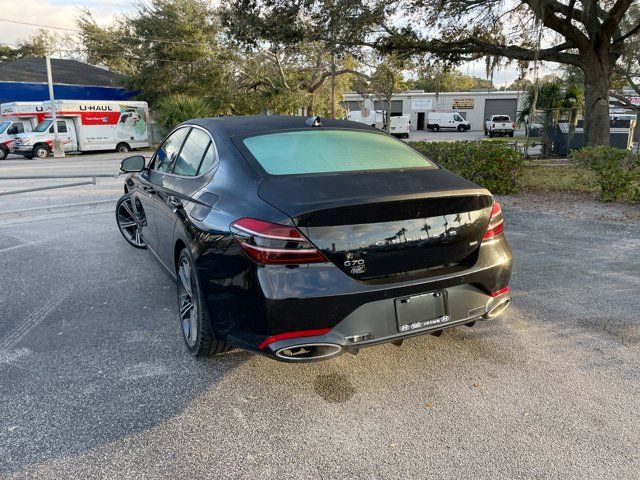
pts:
[132, 164]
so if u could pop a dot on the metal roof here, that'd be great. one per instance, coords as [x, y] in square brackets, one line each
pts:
[70, 72]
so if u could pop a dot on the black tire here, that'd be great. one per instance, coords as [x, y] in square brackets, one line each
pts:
[41, 151]
[128, 222]
[491, 134]
[511, 134]
[436, 128]
[4, 152]
[461, 128]
[486, 132]
[193, 316]
[123, 147]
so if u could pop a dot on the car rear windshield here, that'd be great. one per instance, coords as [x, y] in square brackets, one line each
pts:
[323, 151]
[502, 118]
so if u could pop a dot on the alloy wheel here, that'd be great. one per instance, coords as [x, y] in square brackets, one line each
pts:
[187, 302]
[128, 224]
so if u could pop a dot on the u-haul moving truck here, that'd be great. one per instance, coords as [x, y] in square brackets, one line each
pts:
[16, 118]
[85, 126]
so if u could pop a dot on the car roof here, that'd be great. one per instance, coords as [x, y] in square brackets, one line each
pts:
[255, 124]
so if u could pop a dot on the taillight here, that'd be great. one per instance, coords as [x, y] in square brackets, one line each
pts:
[493, 126]
[513, 125]
[273, 244]
[496, 223]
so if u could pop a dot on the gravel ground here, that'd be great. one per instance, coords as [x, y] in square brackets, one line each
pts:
[96, 383]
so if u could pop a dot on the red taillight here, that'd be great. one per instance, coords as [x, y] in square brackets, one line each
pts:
[288, 335]
[493, 126]
[502, 291]
[496, 223]
[273, 244]
[513, 125]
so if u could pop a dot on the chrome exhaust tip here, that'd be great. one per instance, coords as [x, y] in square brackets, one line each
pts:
[497, 309]
[308, 351]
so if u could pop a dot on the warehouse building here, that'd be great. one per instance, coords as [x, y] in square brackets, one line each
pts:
[25, 80]
[474, 106]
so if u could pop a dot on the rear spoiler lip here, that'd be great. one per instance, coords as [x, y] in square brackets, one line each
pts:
[304, 209]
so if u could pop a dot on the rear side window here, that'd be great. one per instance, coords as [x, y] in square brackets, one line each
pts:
[323, 151]
[188, 161]
[207, 161]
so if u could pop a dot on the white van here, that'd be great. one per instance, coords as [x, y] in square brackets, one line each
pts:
[400, 126]
[85, 126]
[452, 120]
[17, 118]
[375, 119]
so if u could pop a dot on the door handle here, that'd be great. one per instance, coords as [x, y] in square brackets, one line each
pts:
[148, 189]
[175, 202]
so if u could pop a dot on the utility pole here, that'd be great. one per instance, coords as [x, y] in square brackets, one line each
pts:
[58, 149]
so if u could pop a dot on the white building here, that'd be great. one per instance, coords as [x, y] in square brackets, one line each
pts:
[474, 106]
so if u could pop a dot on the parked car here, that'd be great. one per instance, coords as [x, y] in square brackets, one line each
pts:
[16, 118]
[499, 125]
[448, 120]
[374, 119]
[302, 239]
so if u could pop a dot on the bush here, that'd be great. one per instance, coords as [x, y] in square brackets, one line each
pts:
[493, 165]
[177, 108]
[615, 171]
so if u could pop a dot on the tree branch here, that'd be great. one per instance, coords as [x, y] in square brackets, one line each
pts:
[615, 17]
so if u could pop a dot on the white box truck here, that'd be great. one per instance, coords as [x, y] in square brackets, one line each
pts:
[86, 126]
[16, 118]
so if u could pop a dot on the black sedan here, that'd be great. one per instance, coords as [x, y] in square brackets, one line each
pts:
[303, 238]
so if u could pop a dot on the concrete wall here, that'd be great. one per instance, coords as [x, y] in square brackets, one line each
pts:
[470, 105]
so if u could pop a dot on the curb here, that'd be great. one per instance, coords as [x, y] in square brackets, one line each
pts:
[69, 207]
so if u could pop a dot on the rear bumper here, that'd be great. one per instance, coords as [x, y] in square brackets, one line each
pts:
[375, 323]
[320, 297]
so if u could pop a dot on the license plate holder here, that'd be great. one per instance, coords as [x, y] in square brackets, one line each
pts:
[421, 311]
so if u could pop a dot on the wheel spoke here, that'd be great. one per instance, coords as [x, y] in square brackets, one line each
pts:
[193, 324]
[138, 239]
[128, 209]
[186, 308]
[185, 280]
[127, 223]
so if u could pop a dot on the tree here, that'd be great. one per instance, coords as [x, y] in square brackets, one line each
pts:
[39, 44]
[262, 25]
[166, 47]
[588, 34]
[384, 83]
[434, 79]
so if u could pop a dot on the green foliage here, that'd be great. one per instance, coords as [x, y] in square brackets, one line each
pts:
[177, 108]
[615, 171]
[493, 165]
[434, 80]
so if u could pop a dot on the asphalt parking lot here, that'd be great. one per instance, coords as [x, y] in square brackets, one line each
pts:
[95, 380]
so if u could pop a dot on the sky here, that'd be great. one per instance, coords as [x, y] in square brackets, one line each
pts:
[62, 13]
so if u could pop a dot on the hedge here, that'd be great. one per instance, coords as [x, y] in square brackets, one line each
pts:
[493, 165]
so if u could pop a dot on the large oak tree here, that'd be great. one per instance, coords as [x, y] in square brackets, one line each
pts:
[588, 34]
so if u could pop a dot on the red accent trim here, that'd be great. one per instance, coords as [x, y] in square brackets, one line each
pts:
[7, 142]
[91, 118]
[287, 335]
[502, 291]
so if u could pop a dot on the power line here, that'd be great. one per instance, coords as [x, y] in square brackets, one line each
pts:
[124, 37]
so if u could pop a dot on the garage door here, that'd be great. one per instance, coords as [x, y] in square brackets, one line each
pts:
[500, 106]
[396, 106]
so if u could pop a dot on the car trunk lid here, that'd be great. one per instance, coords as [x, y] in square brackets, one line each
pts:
[386, 226]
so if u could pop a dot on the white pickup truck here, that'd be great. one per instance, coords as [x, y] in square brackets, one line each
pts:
[499, 125]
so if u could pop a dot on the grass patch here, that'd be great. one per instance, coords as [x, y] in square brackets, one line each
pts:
[562, 178]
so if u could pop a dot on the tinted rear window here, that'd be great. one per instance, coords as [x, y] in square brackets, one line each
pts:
[322, 151]
[503, 118]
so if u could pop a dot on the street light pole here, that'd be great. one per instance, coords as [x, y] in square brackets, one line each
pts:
[58, 150]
